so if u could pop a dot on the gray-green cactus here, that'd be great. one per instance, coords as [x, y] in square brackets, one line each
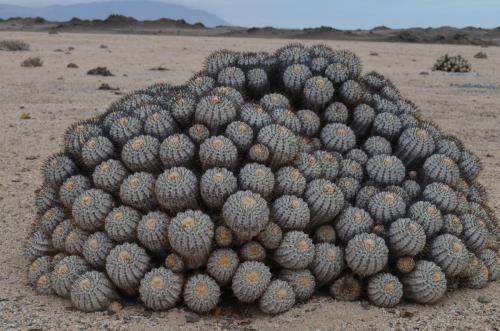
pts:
[246, 213]
[250, 281]
[161, 289]
[177, 150]
[190, 234]
[266, 175]
[92, 291]
[366, 254]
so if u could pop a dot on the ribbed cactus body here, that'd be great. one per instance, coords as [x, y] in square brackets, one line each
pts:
[222, 265]
[289, 181]
[177, 150]
[406, 237]
[246, 214]
[377, 145]
[97, 150]
[278, 298]
[290, 212]
[92, 291]
[72, 188]
[338, 137]
[160, 289]
[126, 265]
[427, 215]
[366, 254]
[301, 281]
[384, 290]
[190, 234]
[325, 201]
[425, 284]
[386, 207]
[215, 112]
[65, 273]
[250, 281]
[176, 189]
[449, 253]
[257, 178]
[91, 208]
[109, 175]
[328, 263]
[201, 293]
[57, 168]
[336, 112]
[351, 222]
[281, 142]
[271, 236]
[137, 190]
[218, 151]
[241, 134]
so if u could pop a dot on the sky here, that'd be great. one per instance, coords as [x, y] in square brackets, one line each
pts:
[344, 14]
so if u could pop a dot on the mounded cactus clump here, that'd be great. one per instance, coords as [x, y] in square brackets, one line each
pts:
[265, 177]
[450, 63]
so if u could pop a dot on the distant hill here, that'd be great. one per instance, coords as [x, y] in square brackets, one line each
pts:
[140, 10]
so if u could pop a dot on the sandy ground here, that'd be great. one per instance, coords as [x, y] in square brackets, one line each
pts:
[55, 96]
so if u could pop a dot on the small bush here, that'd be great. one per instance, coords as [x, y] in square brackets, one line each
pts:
[14, 45]
[32, 62]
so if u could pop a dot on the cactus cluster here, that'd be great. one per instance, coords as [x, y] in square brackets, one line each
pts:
[449, 63]
[266, 177]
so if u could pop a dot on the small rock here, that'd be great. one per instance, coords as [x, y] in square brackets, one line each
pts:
[481, 55]
[106, 87]
[192, 318]
[25, 116]
[100, 71]
[72, 66]
[483, 299]
[373, 54]
[423, 73]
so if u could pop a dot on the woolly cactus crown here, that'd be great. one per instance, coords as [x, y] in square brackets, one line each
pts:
[268, 176]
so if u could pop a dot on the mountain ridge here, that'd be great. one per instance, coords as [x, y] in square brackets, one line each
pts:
[140, 10]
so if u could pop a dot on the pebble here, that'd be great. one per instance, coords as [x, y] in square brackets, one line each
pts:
[483, 299]
[192, 318]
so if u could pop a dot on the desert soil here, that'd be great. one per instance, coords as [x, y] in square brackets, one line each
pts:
[37, 104]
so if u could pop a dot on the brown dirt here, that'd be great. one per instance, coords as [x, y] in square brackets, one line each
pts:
[54, 96]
